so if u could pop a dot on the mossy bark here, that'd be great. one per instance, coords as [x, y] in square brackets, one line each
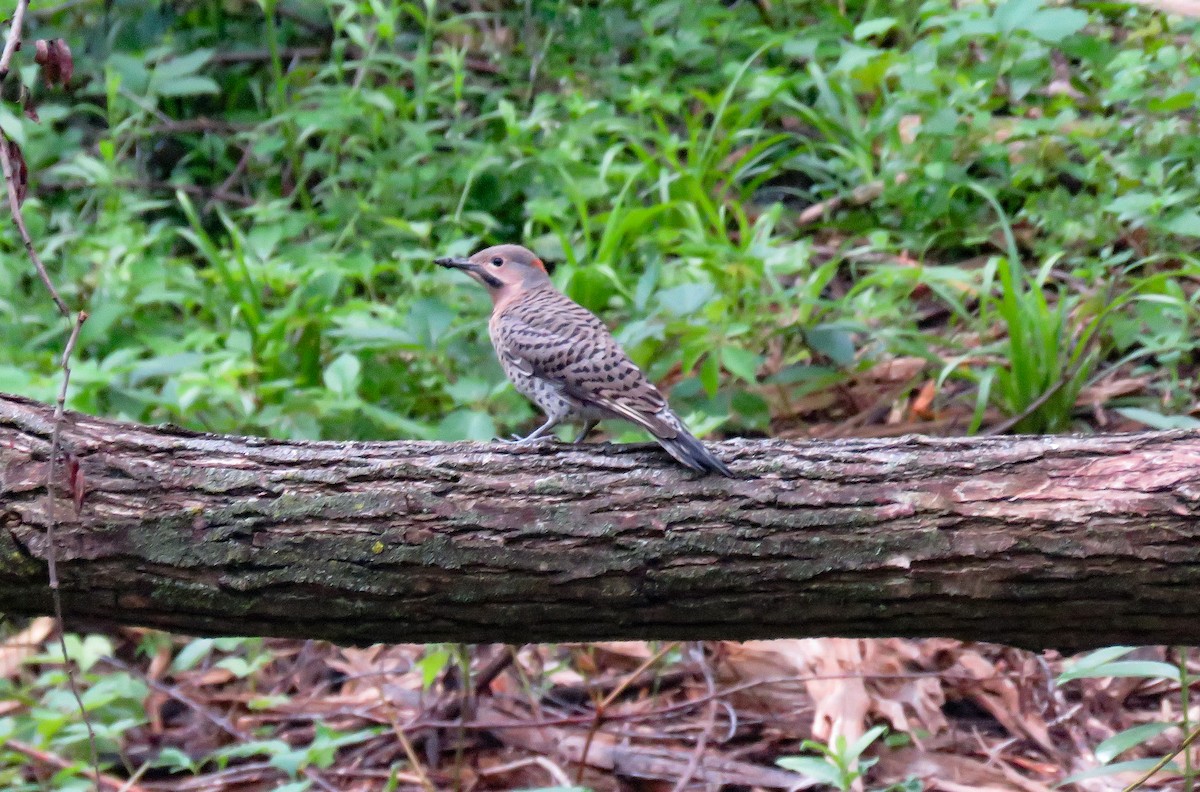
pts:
[1039, 542]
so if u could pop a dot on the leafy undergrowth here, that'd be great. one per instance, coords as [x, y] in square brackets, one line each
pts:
[766, 200]
[253, 714]
[816, 218]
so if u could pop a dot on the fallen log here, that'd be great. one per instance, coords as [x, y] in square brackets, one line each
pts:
[1039, 542]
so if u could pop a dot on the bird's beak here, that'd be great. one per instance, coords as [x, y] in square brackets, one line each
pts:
[457, 263]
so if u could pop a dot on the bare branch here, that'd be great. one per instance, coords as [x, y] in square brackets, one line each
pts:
[13, 42]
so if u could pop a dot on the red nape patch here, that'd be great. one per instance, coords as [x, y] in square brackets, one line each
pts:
[537, 262]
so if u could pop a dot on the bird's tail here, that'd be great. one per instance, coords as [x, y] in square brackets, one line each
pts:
[691, 452]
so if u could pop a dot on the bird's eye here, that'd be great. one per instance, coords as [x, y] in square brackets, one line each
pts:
[496, 262]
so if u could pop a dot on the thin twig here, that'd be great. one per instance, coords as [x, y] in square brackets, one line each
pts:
[186, 126]
[227, 185]
[14, 203]
[468, 704]
[257, 55]
[1033, 407]
[105, 783]
[405, 743]
[13, 42]
[600, 715]
[710, 721]
[557, 776]
[52, 521]
[862, 194]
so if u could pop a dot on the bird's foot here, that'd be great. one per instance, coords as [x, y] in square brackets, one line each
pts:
[518, 440]
[587, 429]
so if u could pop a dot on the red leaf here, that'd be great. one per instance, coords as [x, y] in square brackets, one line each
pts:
[66, 64]
[20, 170]
[55, 59]
[75, 482]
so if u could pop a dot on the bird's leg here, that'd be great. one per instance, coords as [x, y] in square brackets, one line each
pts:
[588, 426]
[539, 433]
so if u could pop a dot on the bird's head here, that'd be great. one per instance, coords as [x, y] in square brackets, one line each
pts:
[502, 269]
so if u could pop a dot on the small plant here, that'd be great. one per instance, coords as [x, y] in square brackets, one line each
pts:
[838, 764]
[1107, 662]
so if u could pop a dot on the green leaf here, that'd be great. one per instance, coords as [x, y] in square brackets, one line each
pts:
[236, 666]
[710, 375]
[685, 299]
[1132, 766]
[1156, 420]
[427, 320]
[114, 689]
[1104, 655]
[86, 651]
[173, 758]
[813, 767]
[343, 374]
[864, 742]
[164, 365]
[741, 363]
[190, 655]
[1185, 224]
[266, 702]
[1155, 104]
[873, 27]
[646, 285]
[466, 425]
[832, 341]
[187, 86]
[1121, 742]
[272, 748]
[469, 390]
[131, 72]
[182, 65]
[1010, 15]
[1149, 669]
[431, 664]
[323, 750]
[291, 761]
[1055, 24]
[12, 125]
[1133, 204]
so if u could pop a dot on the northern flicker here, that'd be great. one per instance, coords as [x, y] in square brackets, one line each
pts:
[563, 358]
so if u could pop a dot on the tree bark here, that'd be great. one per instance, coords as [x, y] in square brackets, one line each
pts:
[1062, 542]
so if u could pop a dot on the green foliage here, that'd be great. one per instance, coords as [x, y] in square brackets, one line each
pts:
[840, 764]
[1107, 663]
[49, 715]
[658, 151]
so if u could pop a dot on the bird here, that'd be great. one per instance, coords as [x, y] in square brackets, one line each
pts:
[563, 358]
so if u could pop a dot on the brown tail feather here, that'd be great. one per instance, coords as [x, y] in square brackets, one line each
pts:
[672, 435]
[691, 452]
